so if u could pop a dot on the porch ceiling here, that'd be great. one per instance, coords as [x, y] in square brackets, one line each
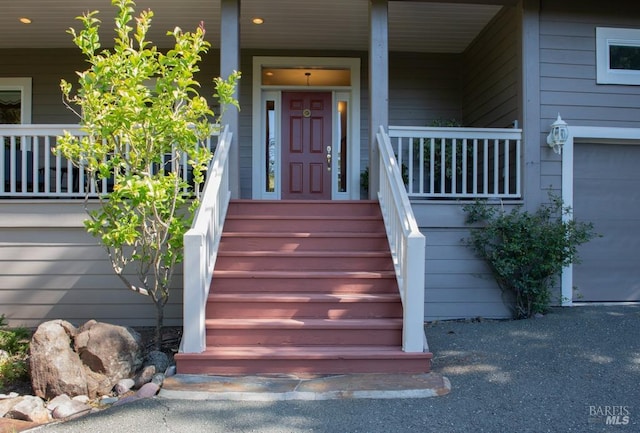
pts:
[414, 26]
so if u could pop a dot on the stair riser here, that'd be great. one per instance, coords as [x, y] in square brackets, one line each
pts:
[300, 285]
[303, 336]
[304, 208]
[290, 310]
[239, 243]
[301, 366]
[292, 225]
[278, 263]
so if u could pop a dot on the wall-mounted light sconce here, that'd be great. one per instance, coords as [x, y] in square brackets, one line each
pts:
[558, 135]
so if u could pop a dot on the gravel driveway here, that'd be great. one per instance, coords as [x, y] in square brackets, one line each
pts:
[573, 370]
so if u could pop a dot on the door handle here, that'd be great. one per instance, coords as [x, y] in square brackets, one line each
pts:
[328, 158]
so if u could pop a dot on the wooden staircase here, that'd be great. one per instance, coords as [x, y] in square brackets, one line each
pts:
[303, 287]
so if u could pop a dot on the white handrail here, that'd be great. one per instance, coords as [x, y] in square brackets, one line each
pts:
[201, 246]
[407, 245]
[455, 162]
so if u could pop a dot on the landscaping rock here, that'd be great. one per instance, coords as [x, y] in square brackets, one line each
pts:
[30, 409]
[158, 359]
[82, 398]
[64, 407]
[8, 425]
[127, 399]
[97, 383]
[111, 350]
[148, 390]
[104, 354]
[171, 371]
[144, 376]
[123, 386]
[7, 404]
[107, 400]
[158, 379]
[55, 368]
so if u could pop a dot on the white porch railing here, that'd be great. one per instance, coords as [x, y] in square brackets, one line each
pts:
[441, 162]
[29, 168]
[407, 245]
[201, 246]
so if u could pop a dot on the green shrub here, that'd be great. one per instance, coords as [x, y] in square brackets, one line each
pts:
[14, 345]
[526, 251]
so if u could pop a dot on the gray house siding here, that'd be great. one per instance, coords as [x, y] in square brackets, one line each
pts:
[568, 65]
[424, 88]
[568, 86]
[490, 74]
[457, 283]
[51, 269]
[47, 68]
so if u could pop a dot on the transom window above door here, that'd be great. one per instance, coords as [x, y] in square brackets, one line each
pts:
[309, 76]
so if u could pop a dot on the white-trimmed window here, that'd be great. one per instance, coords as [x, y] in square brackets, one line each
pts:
[15, 100]
[618, 56]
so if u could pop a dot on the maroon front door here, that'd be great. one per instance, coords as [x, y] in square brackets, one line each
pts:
[306, 145]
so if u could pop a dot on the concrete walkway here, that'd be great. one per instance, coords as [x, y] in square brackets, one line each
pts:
[574, 370]
[277, 388]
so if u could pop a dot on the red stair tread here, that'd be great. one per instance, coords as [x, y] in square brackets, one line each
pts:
[304, 274]
[355, 235]
[303, 323]
[285, 254]
[306, 352]
[301, 297]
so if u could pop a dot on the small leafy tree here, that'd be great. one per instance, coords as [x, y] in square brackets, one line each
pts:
[142, 115]
[526, 251]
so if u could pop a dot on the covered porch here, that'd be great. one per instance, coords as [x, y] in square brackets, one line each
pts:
[412, 76]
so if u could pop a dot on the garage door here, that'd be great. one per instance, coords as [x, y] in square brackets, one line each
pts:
[607, 193]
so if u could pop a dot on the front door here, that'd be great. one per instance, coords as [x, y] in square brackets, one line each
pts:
[306, 145]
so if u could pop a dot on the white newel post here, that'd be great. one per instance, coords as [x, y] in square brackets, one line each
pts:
[195, 262]
[413, 329]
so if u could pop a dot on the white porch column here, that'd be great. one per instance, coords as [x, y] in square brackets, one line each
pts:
[378, 83]
[229, 62]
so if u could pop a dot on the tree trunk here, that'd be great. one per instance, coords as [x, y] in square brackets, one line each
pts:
[159, 323]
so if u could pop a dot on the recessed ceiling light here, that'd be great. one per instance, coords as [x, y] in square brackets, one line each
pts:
[25, 20]
[257, 20]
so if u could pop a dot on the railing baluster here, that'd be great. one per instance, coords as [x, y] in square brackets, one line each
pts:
[34, 164]
[12, 164]
[496, 167]
[443, 164]
[518, 169]
[421, 166]
[432, 166]
[485, 165]
[3, 175]
[464, 179]
[506, 168]
[47, 164]
[454, 165]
